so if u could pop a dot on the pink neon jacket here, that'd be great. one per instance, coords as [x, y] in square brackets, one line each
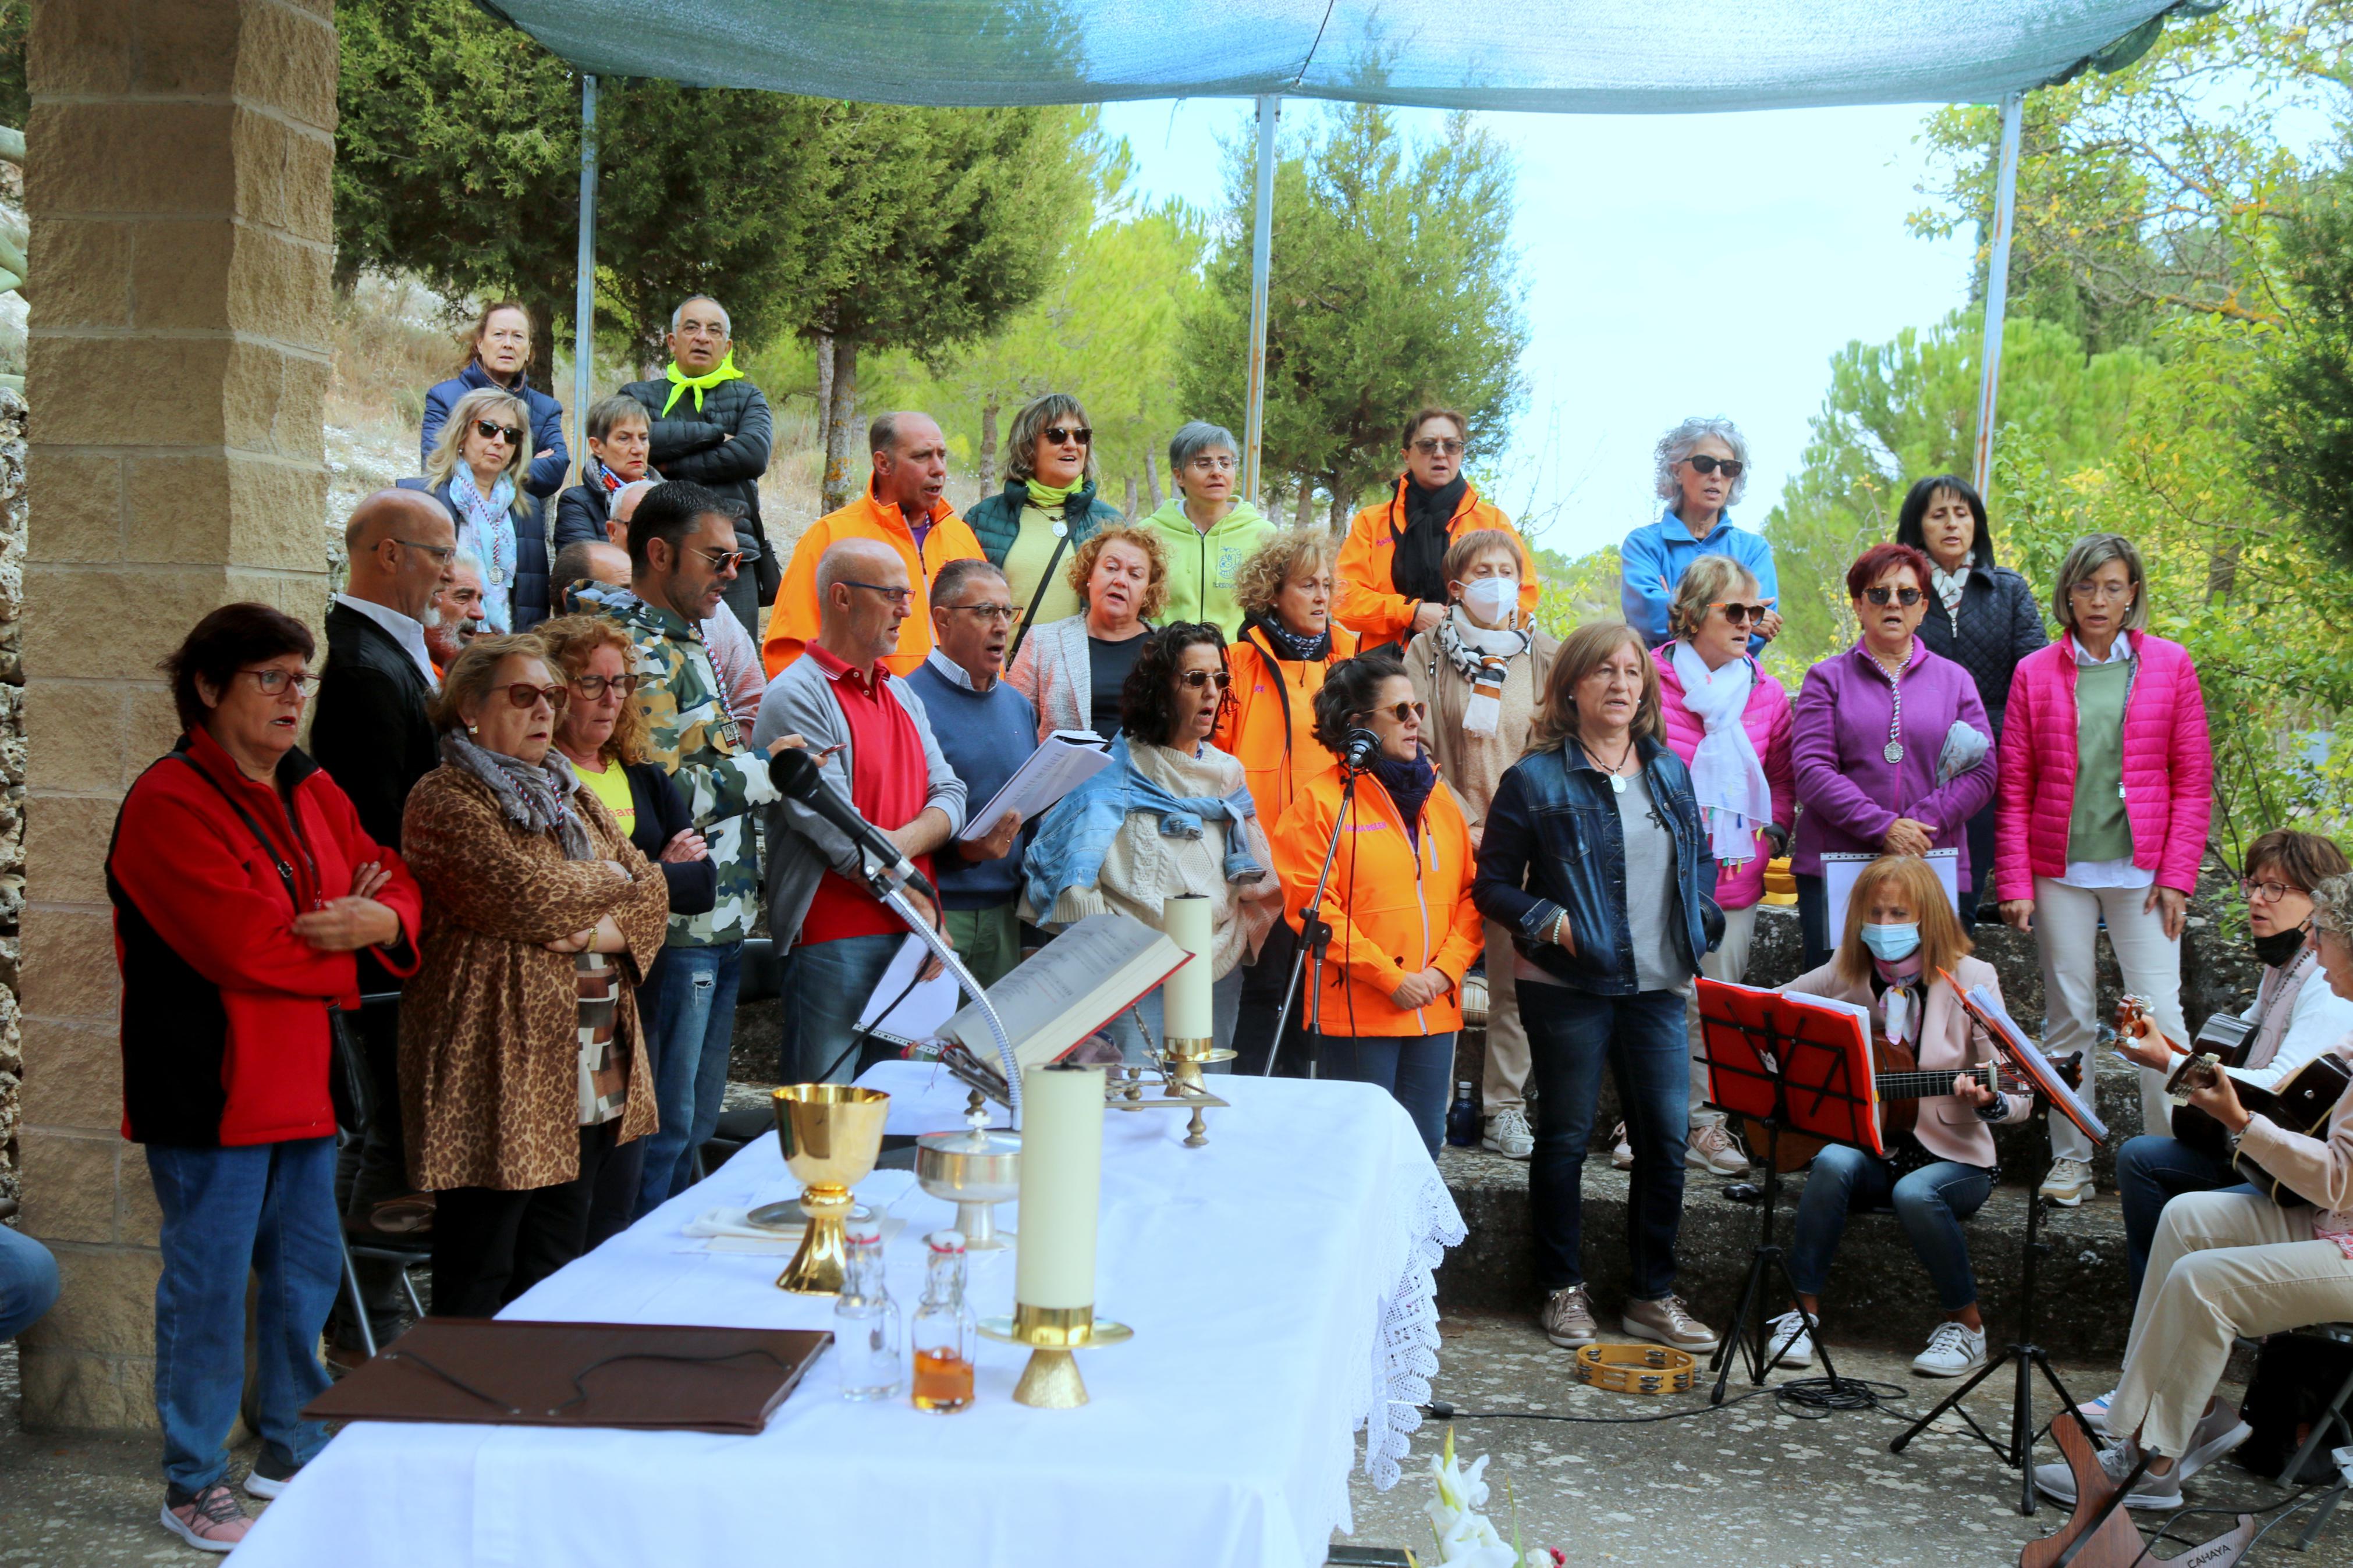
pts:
[2168, 771]
[1767, 721]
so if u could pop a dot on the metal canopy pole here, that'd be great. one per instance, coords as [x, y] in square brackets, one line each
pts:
[583, 300]
[1262, 253]
[1997, 296]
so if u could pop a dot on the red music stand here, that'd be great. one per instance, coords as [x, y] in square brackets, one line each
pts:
[1794, 1061]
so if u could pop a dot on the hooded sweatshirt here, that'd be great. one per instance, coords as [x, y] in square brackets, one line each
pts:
[1202, 566]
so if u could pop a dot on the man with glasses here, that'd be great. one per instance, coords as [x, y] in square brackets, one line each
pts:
[733, 654]
[1702, 466]
[683, 559]
[987, 729]
[885, 762]
[901, 507]
[712, 428]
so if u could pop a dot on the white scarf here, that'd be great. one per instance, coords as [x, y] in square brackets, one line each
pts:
[1949, 587]
[1481, 656]
[1726, 778]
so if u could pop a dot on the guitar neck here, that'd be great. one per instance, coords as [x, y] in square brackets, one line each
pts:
[1927, 1084]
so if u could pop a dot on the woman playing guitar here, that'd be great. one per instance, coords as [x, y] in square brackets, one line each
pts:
[1901, 934]
[2229, 1263]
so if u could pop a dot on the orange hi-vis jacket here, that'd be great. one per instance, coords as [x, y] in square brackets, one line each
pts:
[1395, 909]
[1369, 602]
[793, 619]
[1269, 723]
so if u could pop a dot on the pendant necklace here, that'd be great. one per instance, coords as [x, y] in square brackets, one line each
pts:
[1894, 752]
[1617, 775]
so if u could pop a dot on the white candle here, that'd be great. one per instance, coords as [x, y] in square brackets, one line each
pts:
[1061, 1185]
[1187, 1010]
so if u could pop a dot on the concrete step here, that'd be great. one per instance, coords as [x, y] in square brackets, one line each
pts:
[1878, 1291]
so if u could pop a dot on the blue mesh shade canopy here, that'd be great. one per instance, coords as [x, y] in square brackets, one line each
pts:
[1588, 56]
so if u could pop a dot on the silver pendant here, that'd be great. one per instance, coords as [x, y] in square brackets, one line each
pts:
[1061, 528]
[1617, 784]
[1894, 752]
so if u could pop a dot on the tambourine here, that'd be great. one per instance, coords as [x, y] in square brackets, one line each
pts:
[1635, 1369]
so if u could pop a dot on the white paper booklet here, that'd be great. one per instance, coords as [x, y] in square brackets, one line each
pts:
[1068, 759]
[1069, 988]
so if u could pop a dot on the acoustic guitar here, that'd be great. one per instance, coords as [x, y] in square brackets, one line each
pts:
[2116, 1543]
[1900, 1089]
[2303, 1104]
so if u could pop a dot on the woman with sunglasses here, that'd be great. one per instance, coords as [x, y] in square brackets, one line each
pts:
[603, 734]
[1393, 567]
[523, 1063]
[1384, 1003]
[1891, 749]
[477, 470]
[1982, 616]
[1702, 466]
[1172, 815]
[1047, 507]
[2107, 785]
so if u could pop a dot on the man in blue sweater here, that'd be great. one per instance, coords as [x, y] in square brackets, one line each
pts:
[987, 729]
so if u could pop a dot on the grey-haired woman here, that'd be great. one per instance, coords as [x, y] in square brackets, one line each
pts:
[1046, 508]
[1206, 531]
[1703, 468]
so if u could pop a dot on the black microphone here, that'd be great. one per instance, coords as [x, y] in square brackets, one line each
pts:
[795, 774]
[1362, 745]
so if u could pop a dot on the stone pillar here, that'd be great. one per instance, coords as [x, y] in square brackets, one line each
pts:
[177, 181]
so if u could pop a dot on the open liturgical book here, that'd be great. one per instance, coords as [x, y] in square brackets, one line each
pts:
[1066, 991]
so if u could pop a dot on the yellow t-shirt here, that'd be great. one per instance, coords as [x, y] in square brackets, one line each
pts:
[1024, 564]
[612, 788]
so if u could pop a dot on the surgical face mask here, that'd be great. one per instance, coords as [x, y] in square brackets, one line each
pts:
[2278, 950]
[1892, 944]
[1490, 597]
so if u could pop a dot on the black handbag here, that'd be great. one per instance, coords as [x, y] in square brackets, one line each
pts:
[2295, 1377]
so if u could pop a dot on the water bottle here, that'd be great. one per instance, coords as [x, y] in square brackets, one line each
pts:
[1462, 1117]
[868, 1344]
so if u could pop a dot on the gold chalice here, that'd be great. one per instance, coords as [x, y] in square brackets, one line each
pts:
[831, 1135]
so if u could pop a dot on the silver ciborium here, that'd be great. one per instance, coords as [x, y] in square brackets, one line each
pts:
[976, 1170]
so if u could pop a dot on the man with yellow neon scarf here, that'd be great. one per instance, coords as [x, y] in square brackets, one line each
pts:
[713, 426]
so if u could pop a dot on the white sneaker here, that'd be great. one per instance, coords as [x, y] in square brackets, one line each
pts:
[2058, 1482]
[2069, 1183]
[2218, 1432]
[1789, 1340]
[1622, 1157]
[1954, 1349]
[2094, 1412]
[1508, 1134]
[1712, 1148]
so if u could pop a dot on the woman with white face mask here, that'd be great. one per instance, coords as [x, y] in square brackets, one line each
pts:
[1480, 671]
[1901, 937]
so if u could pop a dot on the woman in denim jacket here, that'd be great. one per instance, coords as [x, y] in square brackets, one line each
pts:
[1593, 856]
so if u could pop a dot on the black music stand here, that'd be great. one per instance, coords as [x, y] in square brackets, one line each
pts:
[2021, 1354]
[1793, 1062]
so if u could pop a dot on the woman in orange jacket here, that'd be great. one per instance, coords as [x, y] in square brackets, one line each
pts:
[1278, 662]
[1388, 1000]
[1392, 568]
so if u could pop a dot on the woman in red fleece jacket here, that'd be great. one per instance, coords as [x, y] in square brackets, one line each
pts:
[242, 885]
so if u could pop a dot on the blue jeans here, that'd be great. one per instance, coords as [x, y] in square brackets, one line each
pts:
[1571, 1034]
[1414, 1069]
[826, 986]
[688, 1027]
[266, 1209]
[29, 1283]
[2151, 1169]
[1930, 1204]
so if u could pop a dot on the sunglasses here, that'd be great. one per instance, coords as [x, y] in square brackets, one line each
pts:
[1908, 597]
[1061, 433]
[1742, 615]
[1433, 446]
[593, 686]
[524, 695]
[274, 682]
[1404, 712]
[726, 560]
[1194, 679]
[1731, 467]
[492, 430]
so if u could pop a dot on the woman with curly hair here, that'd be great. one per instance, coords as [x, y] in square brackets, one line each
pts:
[1074, 670]
[1171, 815]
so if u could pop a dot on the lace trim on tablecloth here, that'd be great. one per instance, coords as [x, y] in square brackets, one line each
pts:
[1405, 1349]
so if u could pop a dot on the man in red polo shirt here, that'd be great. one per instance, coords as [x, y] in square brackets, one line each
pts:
[842, 695]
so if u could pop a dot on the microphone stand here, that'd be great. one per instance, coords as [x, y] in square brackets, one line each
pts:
[889, 885]
[1316, 932]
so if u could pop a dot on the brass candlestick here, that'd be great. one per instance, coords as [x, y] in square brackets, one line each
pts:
[1183, 1062]
[831, 1135]
[1051, 1380]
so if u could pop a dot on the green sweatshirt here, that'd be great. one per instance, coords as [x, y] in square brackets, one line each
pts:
[1202, 566]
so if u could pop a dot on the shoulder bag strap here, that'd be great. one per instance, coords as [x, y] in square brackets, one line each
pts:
[1029, 616]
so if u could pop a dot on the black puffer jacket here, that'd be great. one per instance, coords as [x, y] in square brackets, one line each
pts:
[2000, 624]
[691, 443]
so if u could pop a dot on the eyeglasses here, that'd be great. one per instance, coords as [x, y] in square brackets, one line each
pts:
[1741, 615]
[726, 560]
[524, 695]
[1908, 597]
[1214, 462]
[2105, 593]
[1404, 712]
[898, 595]
[274, 682]
[1060, 434]
[1731, 467]
[2264, 892]
[492, 430]
[994, 614]
[593, 686]
[441, 553]
[1437, 445]
[1194, 679]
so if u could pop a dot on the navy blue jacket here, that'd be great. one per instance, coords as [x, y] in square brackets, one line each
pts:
[1552, 842]
[546, 475]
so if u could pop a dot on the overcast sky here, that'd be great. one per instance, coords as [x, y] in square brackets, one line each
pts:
[1676, 265]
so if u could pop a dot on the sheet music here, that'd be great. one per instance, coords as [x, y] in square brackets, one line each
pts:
[1987, 1008]
[1068, 759]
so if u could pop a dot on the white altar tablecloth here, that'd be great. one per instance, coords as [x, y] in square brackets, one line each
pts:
[1277, 1281]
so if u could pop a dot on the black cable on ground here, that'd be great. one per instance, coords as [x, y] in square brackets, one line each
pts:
[1806, 1398]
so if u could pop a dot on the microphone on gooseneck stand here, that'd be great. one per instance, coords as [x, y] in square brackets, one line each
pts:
[1362, 745]
[796, 778]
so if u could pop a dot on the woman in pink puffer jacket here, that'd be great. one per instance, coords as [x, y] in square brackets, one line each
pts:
[2107, 790]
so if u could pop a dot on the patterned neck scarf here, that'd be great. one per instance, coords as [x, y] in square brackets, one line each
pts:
[486, 526]
[1288, 645]
[535, 799]
[1481, 656]
[1949, 587]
